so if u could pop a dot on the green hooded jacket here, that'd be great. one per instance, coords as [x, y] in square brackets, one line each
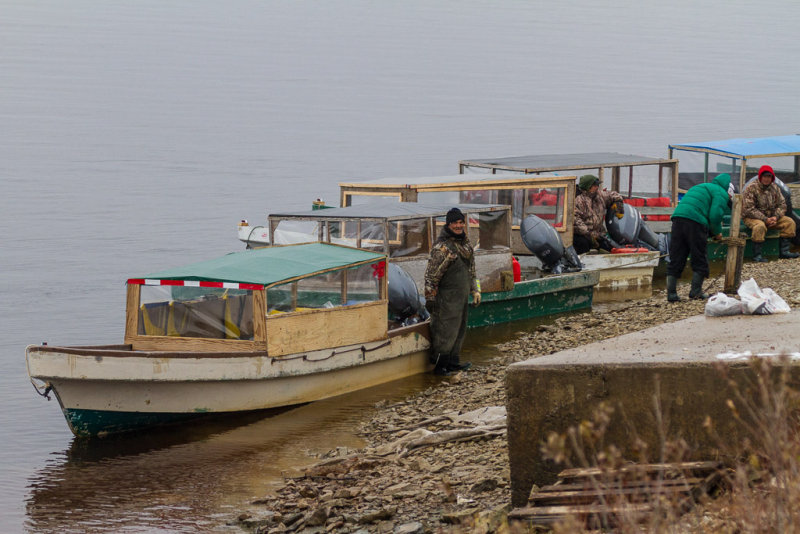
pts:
[706, 203]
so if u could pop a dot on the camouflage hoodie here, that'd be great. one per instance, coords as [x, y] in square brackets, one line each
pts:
[761, 201]
[446, 250]
[590, 212]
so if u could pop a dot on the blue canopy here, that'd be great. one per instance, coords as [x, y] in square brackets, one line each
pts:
[754, 147]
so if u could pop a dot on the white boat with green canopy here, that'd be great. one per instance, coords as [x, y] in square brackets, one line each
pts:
[247, 331]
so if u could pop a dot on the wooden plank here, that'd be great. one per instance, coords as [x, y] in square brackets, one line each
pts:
[580, 473]
[132, 312]
[195, 344]
[632, 494]
[628, 484]
[322, 328]
[260, 316]
[733, 262]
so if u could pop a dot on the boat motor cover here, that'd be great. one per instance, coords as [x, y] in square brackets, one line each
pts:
[404, 298]
[647, 236]
[542, 240]
[787, 196]
[625, 230]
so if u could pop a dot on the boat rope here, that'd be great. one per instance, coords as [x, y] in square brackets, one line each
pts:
[333, 353]
[47, 389]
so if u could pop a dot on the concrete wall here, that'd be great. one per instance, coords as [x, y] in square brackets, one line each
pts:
[551, 398]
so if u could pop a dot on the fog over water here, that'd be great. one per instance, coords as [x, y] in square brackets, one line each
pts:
[135, 135]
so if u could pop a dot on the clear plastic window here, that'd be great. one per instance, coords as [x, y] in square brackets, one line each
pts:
[547, 204]
[372, 236]
[329, 290]
[291, 232]
[493, 231]
[409, 238]
[180, 311]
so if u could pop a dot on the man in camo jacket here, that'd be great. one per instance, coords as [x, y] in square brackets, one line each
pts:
[590, 212]
[763, 208]
[449, 280]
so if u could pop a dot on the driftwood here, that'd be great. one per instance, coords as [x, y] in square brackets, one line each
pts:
[477, 424]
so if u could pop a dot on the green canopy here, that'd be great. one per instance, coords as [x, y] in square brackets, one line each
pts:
[270, 265]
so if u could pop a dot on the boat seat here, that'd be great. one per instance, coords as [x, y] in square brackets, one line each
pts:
[238, 317]
[153, 317]
[198, 318]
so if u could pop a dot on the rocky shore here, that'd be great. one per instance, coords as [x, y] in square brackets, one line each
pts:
[439, 458]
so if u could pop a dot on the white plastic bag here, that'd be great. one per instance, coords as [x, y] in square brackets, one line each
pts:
[720, 305]
[756, 301]
[774, 302]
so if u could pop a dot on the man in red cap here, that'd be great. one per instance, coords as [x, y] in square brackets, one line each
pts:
[763, 208]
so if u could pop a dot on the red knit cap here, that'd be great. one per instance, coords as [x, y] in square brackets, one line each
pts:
[766, 168]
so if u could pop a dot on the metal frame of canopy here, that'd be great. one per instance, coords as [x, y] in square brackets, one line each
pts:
[743, 150]
[549, 163]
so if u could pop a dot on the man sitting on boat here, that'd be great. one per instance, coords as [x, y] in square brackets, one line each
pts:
[590, 211]
[449, 280]
[763, 207]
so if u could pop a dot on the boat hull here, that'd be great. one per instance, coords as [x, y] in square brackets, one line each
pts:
[622, 271]
[535, 298]
[111, 391]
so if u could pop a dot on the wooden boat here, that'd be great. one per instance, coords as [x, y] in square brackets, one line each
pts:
[405, 233]
[549, 197]
[248, 331]
[741, 158]
[649, 184]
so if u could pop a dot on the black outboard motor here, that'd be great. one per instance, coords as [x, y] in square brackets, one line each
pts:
[787, 196]
[543, 240]
[631, 229]
[404, 300]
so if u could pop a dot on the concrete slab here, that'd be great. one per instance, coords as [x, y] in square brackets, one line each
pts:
[676, 367]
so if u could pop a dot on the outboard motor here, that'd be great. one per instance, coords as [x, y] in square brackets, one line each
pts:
[404, 300]
[787, 196]
[631, 229]
[545, 243]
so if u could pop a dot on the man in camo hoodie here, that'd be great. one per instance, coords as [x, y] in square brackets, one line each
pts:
[763, 208]
[590, 212]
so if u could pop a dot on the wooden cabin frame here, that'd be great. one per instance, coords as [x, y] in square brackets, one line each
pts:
[278, 335]
[410, 193]
[599, 162]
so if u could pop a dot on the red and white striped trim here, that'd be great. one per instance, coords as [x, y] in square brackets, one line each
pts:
[194, 283]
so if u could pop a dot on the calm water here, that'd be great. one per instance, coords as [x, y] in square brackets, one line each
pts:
[135, 135]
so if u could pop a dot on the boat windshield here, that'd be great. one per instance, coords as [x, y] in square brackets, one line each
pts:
[344, 287]
[205, 312]
[546, 202]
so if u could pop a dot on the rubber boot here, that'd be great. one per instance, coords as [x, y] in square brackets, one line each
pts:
[757, 257]
[696, 292]
[672, 289]
[785, 251]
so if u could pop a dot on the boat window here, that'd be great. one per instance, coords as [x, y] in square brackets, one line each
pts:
[372, 236]
[493, 230]
[292, 232]
[363, 283]
[695, 169]
[547, 204]
[202, 312]
[409, 238]
[327, 290]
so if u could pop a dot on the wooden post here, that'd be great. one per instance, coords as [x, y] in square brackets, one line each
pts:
[733, 265]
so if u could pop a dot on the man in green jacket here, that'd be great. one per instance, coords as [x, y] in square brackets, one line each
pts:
[699, 212]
